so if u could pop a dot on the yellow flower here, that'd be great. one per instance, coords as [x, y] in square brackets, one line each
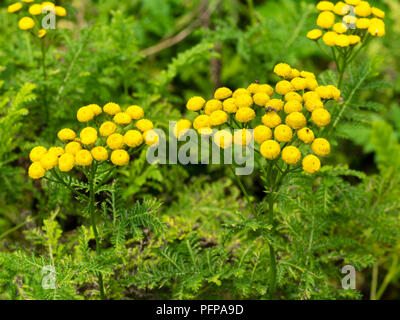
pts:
[66, 162]
[212, 105]
[329, 38]
[111, 108]
[42, 33]
[341, 8]
[244, 101]
[311, 84]
[293, 96]
[66, 134]
[377, 28]
[363, 9]
[88, 135]
[229, 105]
[26, 23]
[314, 34]
[122, 118]
[95, 108]
[49, 161]
[324, 92]
[335, 92]
[135, 112]
[253, 88]
[266, 88]
[293, 106]
[340, 27]
[37, 153]
[36, 171]
[222, 93]
[326, 19]
[295, 73]
[115, 141]
[342, 41]
[100, 153]
[349, 21]
[181, 127]
[58, 151]
[296, 120]
[363, 23]
[311, 164]
[283, 70]
[262, 133]
[245, 115]
[378, 12]
[14, 7]
[325, 6]
[205, 132]
[306, 135]
[202, 121]
[298, 83]
[354, 39]
[85, 114]
[223, 139]
[151, 137]
[133, 138]
[120, 157]
[73, 147]
[283, 87]
[283, 133]
[218, 118]
[261, 99]
[353, 2]
[242, 137]
[321, 117]
[195, 103]
[313, 104]
[270, 149]
[35, 9]
[310, 95]
[83, 158]
[291, 155]
[107, 128]
[276, 104]
[144, 125]
[48, 3]
[321, 147]
[60, 11]
[239, 92]
[271, 119]
[307, 75]
[28, 1]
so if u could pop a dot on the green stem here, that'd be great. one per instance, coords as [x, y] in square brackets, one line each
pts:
[243, 189]
[272, 256]
[374, 282]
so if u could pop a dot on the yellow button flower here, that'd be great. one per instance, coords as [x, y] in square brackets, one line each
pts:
[321, 117]
[181, 127]
[283, 87]
[229, 105]
[313, 104]
[95, 108]
[325, 6]
[88, 135]
[42, 33]
[66, 162]
[271, 119]
[341, 8]
[243, 101]
[49, 161]
[306, 135]
[377, 28]
[223, 139]
[307, 75]
[253, 88]
[115, 141]
[378, 12]
[133, 138]
[85, 114]
[276, 104]
[354, 39]
[36, 171]
[291, 155]
[353, 2]
[266, 88]
[218, 118]
[311, 164]
[37, 153]
[363, 23]
[310, 95]
[26, 23]
[83, 158]
[73, 147]
[195, 103]
[342, 41]
[66, 134]
[283, 70]
[60, 11]
[35, 9]
[295, 73]
[150, 137]
[245, 115]
[335, 92]
[107, 128]
[120, 157]
[239, 92]
[212, 105]
[261, 99]
[58, 151]
[270, 149]
[329, 38]
[99, 153]
[340, 27]
[298, 83]
[144, 125]
[326, 19]
[321, 147]
[135, 112]
[205, 132]
[242, 137]
[324, 92]
[293, 96]
[122, 118]
[296, 120]
[262, 133]
[15, 7]
[283, 133]
[363, 9]
[222, 93]
[111, 108]
[202, 121]
[292, 106]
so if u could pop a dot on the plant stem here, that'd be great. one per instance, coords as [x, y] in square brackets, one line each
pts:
[374, 282]
[272, 256]
[243, 189]
[93, 169]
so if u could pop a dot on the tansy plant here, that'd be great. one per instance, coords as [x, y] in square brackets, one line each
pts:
[347, 27]
[85, 164]
[288, 124]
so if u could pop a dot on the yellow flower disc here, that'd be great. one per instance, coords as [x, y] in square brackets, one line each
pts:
[296, 120]
[283, 133]
[135, 112]
[37, 153]
[222, 93]
[195, 103]
[26, 23]
[229, 105]
[283, 87]
[218, 118]
[36, 171]
[151, 137]
[270, 149]
[133, 138]
[120, 157]
[85, 114]
[66, 134]
[321, 117]
[245, 115]
[291, 155]
[73, 147]
[276, 104]
[202, 121]
[311, 164]
[144, 125]
[292, 106]
[261, 99]
[15, 7]
[88, 135]
[321, 147]
[107, 128]
[99, 153]
[57, 151]
[122, 118]
[262, 133]
[83, 158]
[66, 162]
[49, 161]
[223, 139]
[326, 19]
[115, 141]
[271, 119]
[244, 101]
[283, 70]
[111, 108]
[306, 135]
[314, 34]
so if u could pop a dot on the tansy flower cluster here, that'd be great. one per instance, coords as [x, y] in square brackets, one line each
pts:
[35, 10]
[283, 117]
[108, 135]
[345, 24]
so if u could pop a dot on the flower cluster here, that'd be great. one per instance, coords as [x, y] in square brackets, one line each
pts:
[348, 23]
[35, 10]
[112, 130]
[287, 113]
